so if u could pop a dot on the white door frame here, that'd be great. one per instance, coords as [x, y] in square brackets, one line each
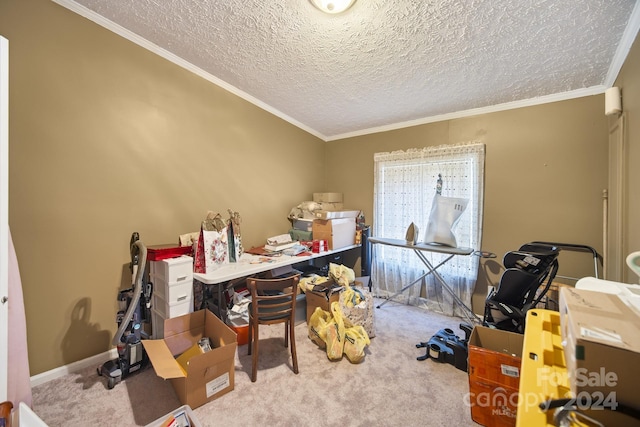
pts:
[4, 214]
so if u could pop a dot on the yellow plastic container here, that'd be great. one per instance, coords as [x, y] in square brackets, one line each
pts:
[543, 373]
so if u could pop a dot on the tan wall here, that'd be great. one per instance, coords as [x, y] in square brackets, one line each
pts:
[545, 170]
[106, 139]
[629, 82]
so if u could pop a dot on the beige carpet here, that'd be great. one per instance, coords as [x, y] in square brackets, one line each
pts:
[389, 388]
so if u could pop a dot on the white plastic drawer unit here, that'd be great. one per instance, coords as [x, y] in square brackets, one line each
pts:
[172, 292]
[157, 325]
[173, 270]
[169, 310]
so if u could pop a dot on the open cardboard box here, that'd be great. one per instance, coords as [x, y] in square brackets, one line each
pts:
[319, 299]
[208, 375]
[494, 375]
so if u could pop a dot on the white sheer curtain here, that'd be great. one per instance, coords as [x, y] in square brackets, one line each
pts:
[404, 187]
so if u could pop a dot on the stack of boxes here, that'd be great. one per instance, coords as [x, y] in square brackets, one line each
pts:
[588, 352]
[332, 223]
[172, 280]
[177, 331]
[303, 227]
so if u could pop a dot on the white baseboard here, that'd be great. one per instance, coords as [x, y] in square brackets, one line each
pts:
[96, 361]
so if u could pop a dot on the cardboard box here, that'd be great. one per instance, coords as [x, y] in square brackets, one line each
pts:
[494, 375]
[319, 299]
[551, 300]
[495, 356]
[601, 346]
[628, 293]
[330, 206]
[339, 233]
[327, 197]
[209, 375]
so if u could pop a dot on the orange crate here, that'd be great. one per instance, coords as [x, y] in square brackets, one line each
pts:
[494, 376]
[242, 332]
[495, 356]
[493, 405]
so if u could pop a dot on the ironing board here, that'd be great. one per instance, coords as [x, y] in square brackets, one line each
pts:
[419, 249]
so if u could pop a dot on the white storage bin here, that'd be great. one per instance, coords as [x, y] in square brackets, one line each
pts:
[173, 270]
[172, 292]
[170, 310]
[184, 417]
[157, 325]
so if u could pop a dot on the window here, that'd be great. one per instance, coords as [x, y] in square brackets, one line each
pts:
[404, 187]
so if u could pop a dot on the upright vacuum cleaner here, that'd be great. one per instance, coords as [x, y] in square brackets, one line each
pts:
[134, 304]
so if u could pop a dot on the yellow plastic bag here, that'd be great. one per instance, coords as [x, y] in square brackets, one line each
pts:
[307, 283]
[335, 333]
[356, 340]
[352, 296]
[341, 274]
[318, 324]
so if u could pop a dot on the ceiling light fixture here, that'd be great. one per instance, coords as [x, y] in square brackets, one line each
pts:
[332, 6]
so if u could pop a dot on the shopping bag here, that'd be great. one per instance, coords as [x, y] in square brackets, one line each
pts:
[235, 236]
[341, 274]
[356, 340]
[444, 216]
[212, 249]
[335, 333]
[357, 307]
[318, 324]
[199, 264]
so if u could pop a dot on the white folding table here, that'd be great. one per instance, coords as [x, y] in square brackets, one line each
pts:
[249, 264]
[419, 249]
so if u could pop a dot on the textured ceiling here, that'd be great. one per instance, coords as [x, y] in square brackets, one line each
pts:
[384, 64]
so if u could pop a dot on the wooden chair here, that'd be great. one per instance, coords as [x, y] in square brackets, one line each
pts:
[5, 413]
[272, 301]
